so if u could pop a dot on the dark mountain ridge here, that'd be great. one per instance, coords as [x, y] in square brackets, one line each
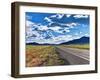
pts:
[82, 40]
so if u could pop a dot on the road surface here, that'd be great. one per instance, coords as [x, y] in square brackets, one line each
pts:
[73, 55]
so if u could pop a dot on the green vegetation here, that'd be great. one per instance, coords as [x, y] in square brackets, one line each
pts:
[78, 46]
[42, 56]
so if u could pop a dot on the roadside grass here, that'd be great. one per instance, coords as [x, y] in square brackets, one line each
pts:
[42, 56]
[78, 46]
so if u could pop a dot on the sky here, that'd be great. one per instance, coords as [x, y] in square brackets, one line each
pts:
[55, 28]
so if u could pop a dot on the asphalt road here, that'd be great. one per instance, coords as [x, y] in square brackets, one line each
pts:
[73, 55]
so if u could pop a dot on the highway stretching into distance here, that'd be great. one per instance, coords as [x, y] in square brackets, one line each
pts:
[73, 56]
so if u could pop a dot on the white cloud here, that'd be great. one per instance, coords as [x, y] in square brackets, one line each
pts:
[48, 19]
[68, 15]
[66, 30]
[81, 16]
[31, 33]
[61, 39]
[53, 16]
[59, 16]
[72, 25]
[29, 23]
[56, 28]
[42, 27]
[28, 17]
[40, 38]
[64, 37]
[54, 40]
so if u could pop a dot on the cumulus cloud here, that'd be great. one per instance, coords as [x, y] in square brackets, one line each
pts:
[80, 16]
[59, 16]
[55, 28]
[58, 29]
[40, 37]
[35, 36]
[54, 40]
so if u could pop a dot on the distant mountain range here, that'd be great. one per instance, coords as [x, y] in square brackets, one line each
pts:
[82, 40]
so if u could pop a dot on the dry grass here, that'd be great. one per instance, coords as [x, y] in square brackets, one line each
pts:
[42, 56]
[78, 46]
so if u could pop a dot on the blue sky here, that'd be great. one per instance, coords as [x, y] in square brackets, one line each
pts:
[55, 28]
